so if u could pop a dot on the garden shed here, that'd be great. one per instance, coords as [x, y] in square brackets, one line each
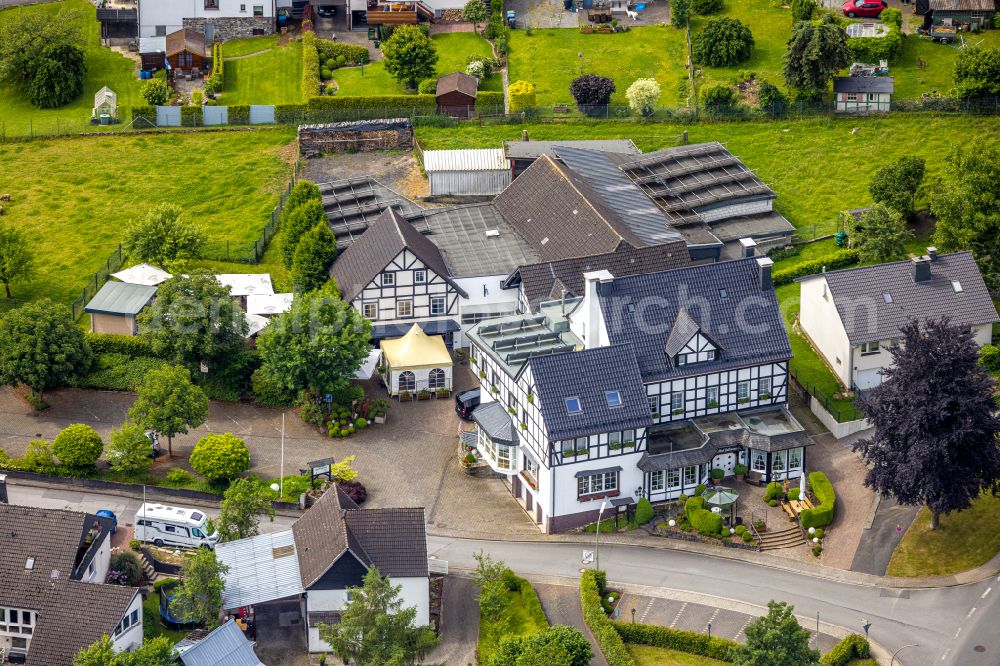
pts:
[114, 308]
[456, 94]
[470, 172]
[415, 363]
[186, 49]
[862, 94]
[105, 103]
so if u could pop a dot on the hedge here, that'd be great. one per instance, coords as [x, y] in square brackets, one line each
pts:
[822, 515]
[129, 345]
[192, 116]
[118, 372]
[310, 65]
[416, 103]
[532, 604]
[706, 522]
[873, 49]
[216, 81]
[610, 641]
[146, 112]
[489, 99]
[989, 357]
[239, 114]
[352, 53]
[832, 261]
[691, 642]
[854, 646]
[522, 95]
[774, 490]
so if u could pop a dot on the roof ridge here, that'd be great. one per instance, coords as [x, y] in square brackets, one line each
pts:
[582, 195]
[906, 261]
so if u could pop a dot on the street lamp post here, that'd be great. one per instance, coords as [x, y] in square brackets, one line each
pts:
[893, 661]
[597, 540]
[633, 616]
[710, 630]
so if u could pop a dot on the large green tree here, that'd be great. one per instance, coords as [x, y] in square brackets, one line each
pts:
[880, 235]
[17, 261]
[776, 639]
[41, 347]
[409, 55]
[896, 184]
[314, 254]
[129, 449]
[966, 208]
[59, 76]
[375, 629]
[977, 72]
[474, 12]
[816, 51]
[157, 651]
[319, 343]
[199, 598]
[163, 237]
[168, 403]
[194, 320]
[723, 42]
[304, 217]
[302, 192]
[243, 503]
[78, 446]
[25, 36]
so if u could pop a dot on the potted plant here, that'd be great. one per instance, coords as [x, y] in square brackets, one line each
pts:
[587, 29]
[712, 404]
[405, 396]
[424, 395]
[655, 415]
[760, 525]
[743, 401]
[443, 393]
[524, 426]
[679, 410]
[740, 471]
[604, 29]
[494, 389]
[531, 399]
[512, 411]
[765, 396]
[482, 374]
[717, 476]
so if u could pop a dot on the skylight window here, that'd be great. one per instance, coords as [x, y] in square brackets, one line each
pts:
[887, 297]
[957, 286]
[29, 563]
[723, 293]
[573, 405]
[614, 398]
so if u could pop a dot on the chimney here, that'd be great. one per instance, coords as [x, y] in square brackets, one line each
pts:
[932, 253]
[764, 264]
[592, 316]
[749, 247]
[921, 269]
[3, 489]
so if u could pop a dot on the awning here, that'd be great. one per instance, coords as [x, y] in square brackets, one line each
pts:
[416, 349]
[368, 367]
[435, 327]
[591, 472]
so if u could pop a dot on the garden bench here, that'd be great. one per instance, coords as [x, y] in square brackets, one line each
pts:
[789, 510]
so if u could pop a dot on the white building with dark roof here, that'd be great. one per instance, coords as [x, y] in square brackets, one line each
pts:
[854, 316]
[863, 94]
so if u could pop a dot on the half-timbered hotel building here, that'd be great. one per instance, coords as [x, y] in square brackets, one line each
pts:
[637, 388]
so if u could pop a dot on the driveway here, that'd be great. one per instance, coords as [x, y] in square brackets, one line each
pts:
[561, 604]
[459, 623]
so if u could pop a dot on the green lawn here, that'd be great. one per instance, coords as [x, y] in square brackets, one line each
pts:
[272, 77]
[104, 68]
[964, 540]
[525, 617]
[453, 49]
[937, 63]
[648, 655]
[242, 47]
[74, 196]
[152, 624]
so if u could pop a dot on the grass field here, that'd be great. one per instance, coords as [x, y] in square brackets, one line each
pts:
[521, 621]
[272, 77]
[74, 196]
[104, 68]
[937, 63]
[964, 540]
[648, 655]
[453, 49]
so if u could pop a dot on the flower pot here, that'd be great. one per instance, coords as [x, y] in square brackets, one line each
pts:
[739, 477]
[716, 482]
[586, 31]
[380, 419]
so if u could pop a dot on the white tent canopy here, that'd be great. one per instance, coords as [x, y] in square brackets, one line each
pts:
[256, 324]
[369, 364]
[245, 284]
[269, 304]
[143, 274]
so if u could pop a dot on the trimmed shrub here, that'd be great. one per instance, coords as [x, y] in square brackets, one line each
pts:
[216, 81]
[127, 564]
[747, 536]
[741, 530]
[351, 53]
[705, 7]
[822, 515]
[592, 92]
[102, 343]
[489, 101]
[832, 261]
[774, 489]
[222, 456]
[692, 642]
[723, 42]
[706, 522]
[989, 357]
[802, 10]
[191, 116]
[407, 104]
[793, 493]
[325, 74]
[773, 503]
[592, 584]
[853, 647]
[154, 91]
[145, 116]
[310, 67]
[522, 96]
[817, 551]
[699, 490]
[643, 511]
[819, 533]
[78, 445]
[772, 101]
[719, 96]
[427, 87]
[239, 114]
[891, 16]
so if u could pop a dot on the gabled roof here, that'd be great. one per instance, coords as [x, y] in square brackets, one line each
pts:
[545, 281]
[588, 375]
[963, 5]
[529, 150]
[388, 235]
[744, 321]
[683, 329]
[261, 568]
[121, 299]
[186, 39]
[467, 159]
[868, 315]
[223, 646]
[457, 82]
[862, 84]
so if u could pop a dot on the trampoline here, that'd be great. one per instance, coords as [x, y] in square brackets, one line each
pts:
[166, 615]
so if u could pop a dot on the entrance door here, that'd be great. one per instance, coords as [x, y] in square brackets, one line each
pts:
[725, 462]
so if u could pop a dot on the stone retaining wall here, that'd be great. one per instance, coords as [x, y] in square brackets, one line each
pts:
[361, 136]
[232, 27]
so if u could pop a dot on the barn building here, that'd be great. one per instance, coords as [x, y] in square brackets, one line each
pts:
[471, 172]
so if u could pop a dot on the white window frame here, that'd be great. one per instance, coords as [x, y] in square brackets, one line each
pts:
[388, 279]
[657, 481]
[592, 484]
[712, 395]
[676, 400]
[758, 460]
[870, 348]
[372, 313]
[654, 404]
[419, 276]
[674, 478]
[404, 308]
[439, 305]
[743, 390]
[614, 438]
[778, 460]
[763, 385]
[691, 476]
[434, 384]
[795, 456]
[614, 398]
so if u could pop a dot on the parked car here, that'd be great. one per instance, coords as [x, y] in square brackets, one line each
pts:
[326, 11]
[107, 513]
[466, 402]
[864, 8]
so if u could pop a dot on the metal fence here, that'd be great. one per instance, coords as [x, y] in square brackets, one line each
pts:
[838, 411]
[112, 264]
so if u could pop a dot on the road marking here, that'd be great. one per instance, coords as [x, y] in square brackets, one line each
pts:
[678, 616]
[971, 611]
[712, 619]
[745, 624]
[958, 632]
[945, 655]
[646, 612]
[988, 590]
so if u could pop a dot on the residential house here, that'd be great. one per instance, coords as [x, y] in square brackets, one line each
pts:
[215, 20]
[524, 152]
[854, 316]
[863, 94]
[637, 388]
[223, 646]
[53, 600]
[456, 94]
[114, 308]
[328, 551]
[478, 172]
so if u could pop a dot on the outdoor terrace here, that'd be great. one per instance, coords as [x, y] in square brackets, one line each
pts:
[513, 340]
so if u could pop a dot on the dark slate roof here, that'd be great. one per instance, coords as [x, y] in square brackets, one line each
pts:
[587, 375]
[394, 540]
[559, 214]
[858, 291]
[224, 646]
[460, 233]
[545, 281]
[682, 330]
[652, 462]
[120, 298]
[388, 235]
[457, 82]
[862, 84]
[746, 324]
[529, 150]
[496, 422]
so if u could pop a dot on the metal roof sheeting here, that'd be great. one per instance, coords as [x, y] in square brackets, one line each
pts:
[225, 646]
[477, 159]
[255, 575]
[121, 298]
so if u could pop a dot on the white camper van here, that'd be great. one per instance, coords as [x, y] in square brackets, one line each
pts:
[173, 526]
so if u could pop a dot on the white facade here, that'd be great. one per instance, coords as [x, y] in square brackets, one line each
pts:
[861, 102]
[162, 17]
[127, 636]
[407, 290]
[414, 380]
[415, 593]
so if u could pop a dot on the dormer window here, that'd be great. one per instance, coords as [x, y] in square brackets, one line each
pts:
[573, 405]
[614, 398]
